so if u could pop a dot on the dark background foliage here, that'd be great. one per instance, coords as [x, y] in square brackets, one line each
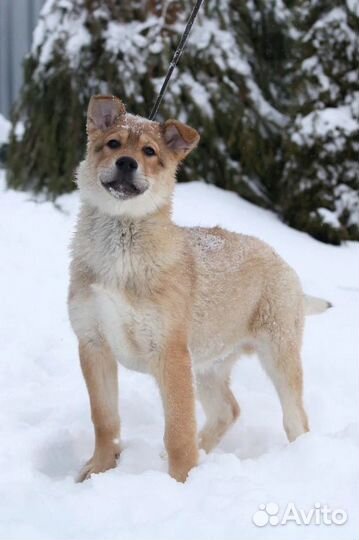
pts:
[250, 76]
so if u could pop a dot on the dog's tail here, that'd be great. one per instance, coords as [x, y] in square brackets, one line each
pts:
[314, 305]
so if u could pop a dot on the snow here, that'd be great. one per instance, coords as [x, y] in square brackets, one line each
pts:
[320, 123]
[5, 127]
[44, 412]
[54, 25]
[333, 28]
[200, 95]
[222, 45]
[347, 198]
[207, 242]
[353, 6]
[312, 67]
[329, 217]
[127, 38]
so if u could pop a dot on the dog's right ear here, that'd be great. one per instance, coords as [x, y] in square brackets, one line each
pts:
[103, 113]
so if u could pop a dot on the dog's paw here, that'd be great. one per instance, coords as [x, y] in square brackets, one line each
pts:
[206, 441]
[97, 464]
[182, 461]
[179, 471]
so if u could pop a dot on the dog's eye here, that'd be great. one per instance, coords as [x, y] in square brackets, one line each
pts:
[113, 144]
[149, 151]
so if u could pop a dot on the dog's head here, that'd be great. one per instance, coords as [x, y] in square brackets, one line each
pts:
[131, 162]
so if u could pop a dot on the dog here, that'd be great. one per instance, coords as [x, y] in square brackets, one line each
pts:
[178, 303]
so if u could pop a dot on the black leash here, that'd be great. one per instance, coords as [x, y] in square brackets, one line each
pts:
[175, 58]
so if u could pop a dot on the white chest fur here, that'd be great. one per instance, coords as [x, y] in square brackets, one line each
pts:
[121, 258]
[134, 335]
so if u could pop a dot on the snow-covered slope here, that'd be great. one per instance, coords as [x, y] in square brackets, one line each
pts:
[46, 432]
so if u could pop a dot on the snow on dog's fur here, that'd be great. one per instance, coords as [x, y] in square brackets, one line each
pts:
[178, 303]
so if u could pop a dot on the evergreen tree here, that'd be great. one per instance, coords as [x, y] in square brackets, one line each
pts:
[319, 189]
[233, 83]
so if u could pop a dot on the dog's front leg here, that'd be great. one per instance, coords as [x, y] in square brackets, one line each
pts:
[100, 371]
[178, 395]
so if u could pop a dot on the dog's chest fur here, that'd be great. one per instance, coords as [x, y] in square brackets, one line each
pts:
[122, 257]
[134, 335]
[114, 249]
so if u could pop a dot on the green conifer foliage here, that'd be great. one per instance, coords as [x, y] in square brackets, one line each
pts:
[319, 185]
[242, 82]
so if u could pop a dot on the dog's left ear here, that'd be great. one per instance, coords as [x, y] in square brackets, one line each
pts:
[103, 112]
[180, 138]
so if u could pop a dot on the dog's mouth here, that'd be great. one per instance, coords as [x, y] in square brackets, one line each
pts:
[124, 189]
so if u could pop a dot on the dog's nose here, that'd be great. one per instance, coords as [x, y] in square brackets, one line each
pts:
[126, 164]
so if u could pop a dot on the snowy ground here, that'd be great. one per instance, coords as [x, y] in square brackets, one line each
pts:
[44, 414]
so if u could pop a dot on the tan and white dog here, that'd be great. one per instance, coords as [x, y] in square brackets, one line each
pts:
[178, 303]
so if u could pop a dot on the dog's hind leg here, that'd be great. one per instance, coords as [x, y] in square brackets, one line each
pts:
[282, 363]
[219, 404]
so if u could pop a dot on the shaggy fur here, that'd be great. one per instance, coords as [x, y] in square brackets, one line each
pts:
[178, 303]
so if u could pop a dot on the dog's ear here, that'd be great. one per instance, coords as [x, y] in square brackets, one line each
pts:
[180, 138]
[103, 112]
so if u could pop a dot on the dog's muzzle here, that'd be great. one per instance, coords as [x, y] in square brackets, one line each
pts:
[125, 183]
